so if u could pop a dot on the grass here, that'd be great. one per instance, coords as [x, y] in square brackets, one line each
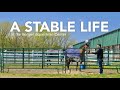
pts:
[12, 75]
[54, 74]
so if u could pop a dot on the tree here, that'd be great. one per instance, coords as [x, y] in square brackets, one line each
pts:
[33, 40]
[4, 30]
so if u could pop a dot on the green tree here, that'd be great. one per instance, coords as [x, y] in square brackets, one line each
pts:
[33, 40]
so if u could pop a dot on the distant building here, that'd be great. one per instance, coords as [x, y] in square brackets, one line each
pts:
[110, 43]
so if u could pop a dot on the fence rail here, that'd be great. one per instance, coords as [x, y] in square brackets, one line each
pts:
[45, 58]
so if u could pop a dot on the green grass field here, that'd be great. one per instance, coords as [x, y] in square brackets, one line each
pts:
[92, 73]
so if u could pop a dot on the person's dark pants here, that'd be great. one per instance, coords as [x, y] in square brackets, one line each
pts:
[100, 66]
[82, 58]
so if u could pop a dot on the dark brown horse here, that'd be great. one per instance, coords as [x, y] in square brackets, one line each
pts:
[69, 60]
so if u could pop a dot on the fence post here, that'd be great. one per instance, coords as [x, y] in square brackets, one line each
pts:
[108, 55]
[14, 55]
[65, 59]
[23, 59]
[42, 57]
[2, 61]
[58, 56]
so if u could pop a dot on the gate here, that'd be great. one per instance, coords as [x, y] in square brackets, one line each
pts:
[31, 58]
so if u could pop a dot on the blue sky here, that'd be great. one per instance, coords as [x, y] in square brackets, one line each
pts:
[21, 17]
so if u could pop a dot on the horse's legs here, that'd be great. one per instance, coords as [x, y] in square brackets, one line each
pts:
[68, 66]
[76, 66]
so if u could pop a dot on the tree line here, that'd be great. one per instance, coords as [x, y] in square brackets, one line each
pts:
[33, 40]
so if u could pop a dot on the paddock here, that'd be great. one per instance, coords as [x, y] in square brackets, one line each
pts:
[44, 60]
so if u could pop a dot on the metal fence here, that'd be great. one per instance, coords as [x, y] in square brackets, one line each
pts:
[44, 58]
